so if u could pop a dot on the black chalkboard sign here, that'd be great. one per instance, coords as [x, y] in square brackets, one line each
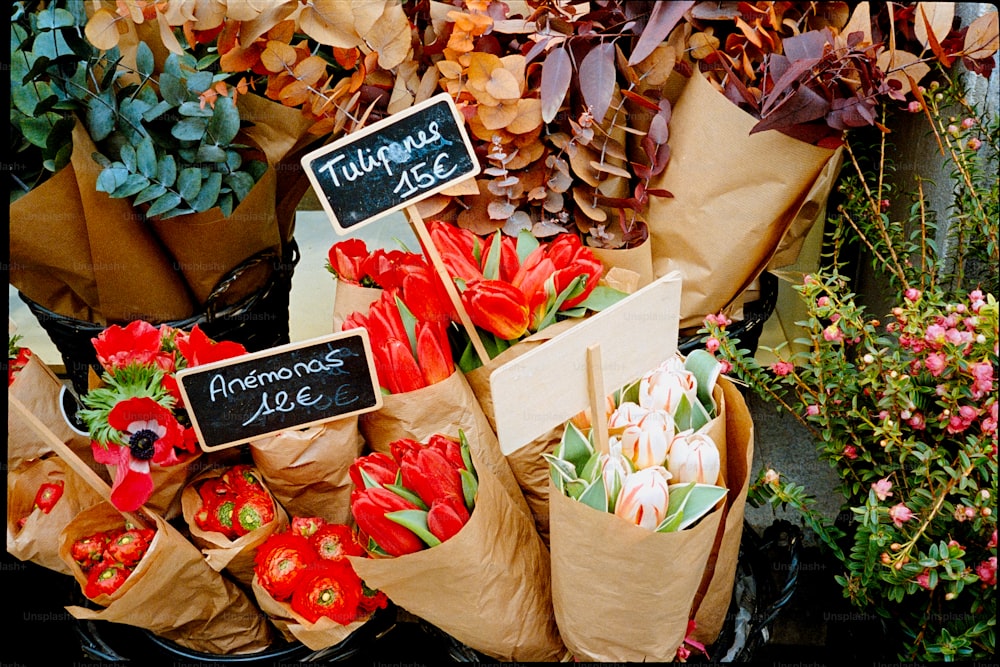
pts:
[398, 161]
[284, 388]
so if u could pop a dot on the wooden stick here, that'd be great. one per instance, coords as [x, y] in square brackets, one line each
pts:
[598, 400]
[78, 465]
[449, 285]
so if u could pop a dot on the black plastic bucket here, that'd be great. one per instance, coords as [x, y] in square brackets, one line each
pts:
[755, 314]
[259, 321]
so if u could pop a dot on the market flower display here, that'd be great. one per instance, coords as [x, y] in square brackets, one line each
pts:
[136, 418]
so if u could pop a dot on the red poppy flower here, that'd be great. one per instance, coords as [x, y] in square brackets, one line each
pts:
[281, 562]
[199, 349]
[334, 541]
[129, 547]
[139, 342]
[331, 589]
[48, 495]
[105, 578]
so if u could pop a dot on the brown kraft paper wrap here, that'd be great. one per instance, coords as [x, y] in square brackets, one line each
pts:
[716, 590]
[236, 557]
[735, 197]
[82, 254]
[173, 592]
[445, 407]
[622, 593]
[351, 298]
[38, 540]
[307, 471]
[324, 633]
[487, 586]
[38, 388]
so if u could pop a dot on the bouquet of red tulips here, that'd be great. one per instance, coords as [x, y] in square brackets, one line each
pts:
[304, 582]
[450, 545]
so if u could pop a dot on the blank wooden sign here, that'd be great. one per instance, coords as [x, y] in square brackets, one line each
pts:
[280, 389]
[548, 385]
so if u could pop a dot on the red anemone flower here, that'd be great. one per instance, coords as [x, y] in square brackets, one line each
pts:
[139, 342]
[199, 349]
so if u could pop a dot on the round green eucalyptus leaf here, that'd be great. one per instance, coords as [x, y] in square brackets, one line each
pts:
[27, 98]
[101, 116]
[199, 82]
[209, 193]
[189, 129]
[163, 205]
[112, 177]
[145, 155]
[149, 193]
[241, 182]
[189, 182]
[166, 170]
[173, 89]
[37, 129]
[55, 17]
[195, 110]
[134, 184]
[209, 153]
[225, 122]
[144, 59]
[127, 155]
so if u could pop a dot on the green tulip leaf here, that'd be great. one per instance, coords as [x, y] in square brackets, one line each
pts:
[406, 494]
[367, 480]
[470, 488]
[409, 325]
[560, 470]
[527, 243]
[575, 488]
[688, 503]
[592, 467]
[463, 447]
[416, 521]
[491, 271]
[595, 495]
[706, 370]
[683, 414]
[602, 297]
[575, 447]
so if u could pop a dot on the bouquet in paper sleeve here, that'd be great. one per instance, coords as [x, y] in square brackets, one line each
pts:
[136, 418]
[234, 503]
[109, 556]
[304, 581]
[660, 475]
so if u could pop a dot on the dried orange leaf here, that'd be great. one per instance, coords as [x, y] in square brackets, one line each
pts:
[278, 56]
[498, 117]
[703, 44]
[584, 199]
[528, 118]
[449, 69]
[503, 86]
[102, 30]
[167, 36]
[311, 70]
[935, 18]
[389, 36]
[609, 169]
[898, 64]
[330, 22]
[294, 94]
[981, 39]
[264, 21]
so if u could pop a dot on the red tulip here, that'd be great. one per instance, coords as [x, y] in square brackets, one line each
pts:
[384, 321]
[433, 352]
[497, 307]
[403, 372]
[509, 262]
[399, 448]
[430, 475]
[387, 268]
[369, 507]
[345, 259]
[572, 259]
[531, 279]
[458, 249]
[379, 466]
[450, 449]
[425, 295]
[446, 517]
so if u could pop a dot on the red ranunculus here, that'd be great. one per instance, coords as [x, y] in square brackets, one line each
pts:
[243, 480]
[334, 541]
[281, 563]
[89, 551]
[15, 365]
[328, 589]
[306, 526]
[497, 307]
[250, 512]
[129, 547]
[199, 349]
[446, 517]
[372, 600]
[431, 476]
[106, 578]
[379, 466]
[48, 495]
[369, 507]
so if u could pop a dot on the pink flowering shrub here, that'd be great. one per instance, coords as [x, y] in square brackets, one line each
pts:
[903, 407]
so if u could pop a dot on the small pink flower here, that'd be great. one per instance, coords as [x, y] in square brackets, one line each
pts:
[968, 123]
[882, 489]
[974, 144]
[782, 368]
[912, 294]
[884, 205]
[900, 514]
[812, 410]
[924, 580]
[935, 335]
[725, 366]
[987, 571]
[953, 130]
[823, 301]
[914, 107]
[850, 452]
[982, 372]
[712, 344]
[992, 544]
[832, 334]
[917, 422]
[936, 363]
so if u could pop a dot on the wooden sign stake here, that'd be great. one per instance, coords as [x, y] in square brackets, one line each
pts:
[598, 400]
[449, 285]
[78, 465]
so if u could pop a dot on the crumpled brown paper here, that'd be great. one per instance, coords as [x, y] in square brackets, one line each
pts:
[487, 586]
[622, 593]
[735, 197]
[307, 471]
[236, 557]
[173, 592]
[351, 298]
[38, 540]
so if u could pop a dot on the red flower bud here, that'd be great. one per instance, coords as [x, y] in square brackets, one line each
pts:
[48, 495]
[369, 507]
[497, 307]
[381, 467]
[446, 517]
[433, 352]
[431, 476]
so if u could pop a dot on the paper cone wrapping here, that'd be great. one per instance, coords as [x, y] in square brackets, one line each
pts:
[735, 197]
[322, 634]
[82, 254]
[236, 557]
[445, 407]
[351, 298]
[168, 485]
[487, 586]
[623, 593]
[172, 592]
[38, 388]
[716, 590]
[38, 540]
[638, 261]
[307, 470]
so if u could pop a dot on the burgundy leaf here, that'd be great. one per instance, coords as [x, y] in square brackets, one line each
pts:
[597, 79]
[806, 45]
[801, 107]
[557, 71]
[659, 192]
[794, 73]
[535, 49]
[662, 20]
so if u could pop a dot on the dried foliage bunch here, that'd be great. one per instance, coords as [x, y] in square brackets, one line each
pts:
[905, 408]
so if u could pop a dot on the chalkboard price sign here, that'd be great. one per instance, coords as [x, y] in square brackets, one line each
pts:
[391, 164]
[284, 388]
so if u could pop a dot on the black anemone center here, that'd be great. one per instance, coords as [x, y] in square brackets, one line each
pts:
[141, 444]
